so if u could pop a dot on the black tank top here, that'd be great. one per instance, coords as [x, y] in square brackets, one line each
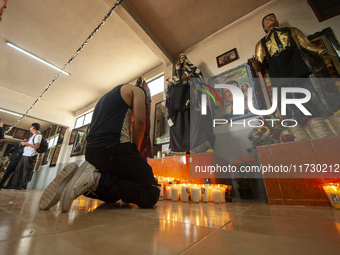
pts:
[111, 121]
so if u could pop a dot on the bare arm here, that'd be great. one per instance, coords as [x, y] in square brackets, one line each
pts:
[138, 108]
[35, 146]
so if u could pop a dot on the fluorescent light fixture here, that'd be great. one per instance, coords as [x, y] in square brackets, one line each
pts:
[35, 57]
[16, 114]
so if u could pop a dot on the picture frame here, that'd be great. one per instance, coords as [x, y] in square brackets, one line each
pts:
[6, 128]
[53, 130]
[55, 155]
[327, 68]
[20, 133]
[1, 146]
[46, 133]
[241, 76]
[227, 57]
[61, 132]
[79, 141]
[161, 134]
[72, 136]
[28, 135]
[50, 154]
[44, 160]
[325, 9]
[87, 132]
[38, 162]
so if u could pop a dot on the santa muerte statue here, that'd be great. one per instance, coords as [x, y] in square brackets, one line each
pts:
[189, 129]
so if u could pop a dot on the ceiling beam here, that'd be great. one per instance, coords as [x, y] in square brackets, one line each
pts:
[131, 17]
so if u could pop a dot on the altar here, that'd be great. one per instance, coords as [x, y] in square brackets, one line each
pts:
[312, 164]
[182, 168]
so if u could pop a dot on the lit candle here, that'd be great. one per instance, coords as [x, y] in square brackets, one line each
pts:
[185, 193]
[195, 193]
[168, 192]
[333, 192]
[222, 194]
[161, 182]
[211, 196]
[205, 193]
[216, 195]
[174, 192]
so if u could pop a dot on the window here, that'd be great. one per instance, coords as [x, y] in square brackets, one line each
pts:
[156, 85]
[53, 141]
[83, 120]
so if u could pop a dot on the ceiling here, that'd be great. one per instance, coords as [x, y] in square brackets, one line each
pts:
[137, 38]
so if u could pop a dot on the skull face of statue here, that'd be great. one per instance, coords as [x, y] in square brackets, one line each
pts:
[182, 58]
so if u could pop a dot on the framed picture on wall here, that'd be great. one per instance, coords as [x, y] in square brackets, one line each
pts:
[325, 9]
[240, 77]
[38, 163]
[326, 68]
[44, 160]
[227, 57]
[161, 132]
[79, 141]
[53, 130]
[46, 133]
[72, 136]
[55, 155]
[61, 132]
[20, 133]
[6, 128]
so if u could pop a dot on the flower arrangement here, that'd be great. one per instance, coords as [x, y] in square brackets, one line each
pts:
[242, 178]
[268, 133]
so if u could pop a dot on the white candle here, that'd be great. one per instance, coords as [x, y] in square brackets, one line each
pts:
[205, 193]
[195, 193]
[174, 192]
[168, 192]
[222, 194]
[216, 195]
[211, 196]
[161, 182]
[185, 193]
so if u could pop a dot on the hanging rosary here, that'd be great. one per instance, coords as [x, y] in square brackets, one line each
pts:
[68, 62]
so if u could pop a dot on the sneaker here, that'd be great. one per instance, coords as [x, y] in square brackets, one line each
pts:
[84, 180]
[54, 190]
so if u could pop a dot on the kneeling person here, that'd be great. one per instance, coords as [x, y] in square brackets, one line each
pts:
[113, 169]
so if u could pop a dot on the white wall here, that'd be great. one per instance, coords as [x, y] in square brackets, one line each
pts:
[246, 32]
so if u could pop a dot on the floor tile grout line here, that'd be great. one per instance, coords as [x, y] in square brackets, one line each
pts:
[202, 239]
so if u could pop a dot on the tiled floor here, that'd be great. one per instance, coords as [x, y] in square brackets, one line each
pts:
[241, 227]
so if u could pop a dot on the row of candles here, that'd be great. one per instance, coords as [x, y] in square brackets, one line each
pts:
[175, 191]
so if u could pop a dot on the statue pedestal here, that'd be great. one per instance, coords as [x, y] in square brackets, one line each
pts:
[301, 186]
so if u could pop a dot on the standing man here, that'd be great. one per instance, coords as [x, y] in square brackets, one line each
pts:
[25, 166]
[16, 154]
[113, 169]
[2, 133]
